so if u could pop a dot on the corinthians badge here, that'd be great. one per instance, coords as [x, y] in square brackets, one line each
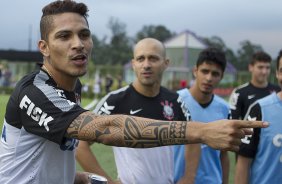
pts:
[167, 110]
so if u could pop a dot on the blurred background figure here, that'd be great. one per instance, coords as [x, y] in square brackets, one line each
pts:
[108, 83]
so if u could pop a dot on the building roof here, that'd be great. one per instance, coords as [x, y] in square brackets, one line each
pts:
[185, 39]
[20, 56]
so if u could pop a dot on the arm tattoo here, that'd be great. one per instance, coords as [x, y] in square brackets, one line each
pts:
[80, 122]
[127, 131]
[152, 134]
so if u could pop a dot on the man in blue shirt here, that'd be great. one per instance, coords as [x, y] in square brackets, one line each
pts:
[200, 163]
[260, 155]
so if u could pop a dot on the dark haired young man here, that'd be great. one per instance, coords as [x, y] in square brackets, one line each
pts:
[197, 163]
[246, 94]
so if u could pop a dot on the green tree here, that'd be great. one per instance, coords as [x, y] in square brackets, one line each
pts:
[100, 50]
[218, 43]
[120, 44]
[159, 32]
[245, 53]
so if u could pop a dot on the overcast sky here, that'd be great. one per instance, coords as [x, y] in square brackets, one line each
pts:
[259, 21]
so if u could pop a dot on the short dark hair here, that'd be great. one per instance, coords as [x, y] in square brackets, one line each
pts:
[58, 7]
[260, 56]
[278, 59]
[212, 55]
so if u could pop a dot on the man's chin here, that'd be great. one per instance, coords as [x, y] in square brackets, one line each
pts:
[207, 92]
[79, 74]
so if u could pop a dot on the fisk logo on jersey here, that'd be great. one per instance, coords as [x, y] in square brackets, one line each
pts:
[35, 112]
[106, 109]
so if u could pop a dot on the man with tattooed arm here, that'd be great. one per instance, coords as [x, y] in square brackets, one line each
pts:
[44, 121]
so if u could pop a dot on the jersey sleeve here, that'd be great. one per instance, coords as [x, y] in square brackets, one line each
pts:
[47, 114]
[235, 102]
[249, 144]
[106, 105]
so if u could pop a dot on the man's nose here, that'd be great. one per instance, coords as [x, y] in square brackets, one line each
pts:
[209, 77]
[147, 63]
[77, 43]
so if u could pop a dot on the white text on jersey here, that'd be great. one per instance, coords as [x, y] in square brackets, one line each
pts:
[35, 112]
[106, 109]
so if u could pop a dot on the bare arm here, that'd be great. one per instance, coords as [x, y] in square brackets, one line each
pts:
[88, 161]
[242, 170]
[128, 131]
[225, 164]
[192, 157]
[137, 132]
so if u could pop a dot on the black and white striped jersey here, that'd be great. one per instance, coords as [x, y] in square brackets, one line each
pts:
[150, 165]
[33, 148]
[246, 94]
[166, 105]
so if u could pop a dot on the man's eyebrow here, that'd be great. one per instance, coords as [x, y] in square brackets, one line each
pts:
[85, 29]
[62, 31]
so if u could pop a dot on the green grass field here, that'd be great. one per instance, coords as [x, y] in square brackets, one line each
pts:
[103, 153]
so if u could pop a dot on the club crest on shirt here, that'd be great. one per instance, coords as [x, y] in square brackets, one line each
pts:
[167, 110]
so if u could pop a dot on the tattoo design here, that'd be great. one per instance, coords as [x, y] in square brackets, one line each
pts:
[127, 131]
[78, 124]
[153, 134]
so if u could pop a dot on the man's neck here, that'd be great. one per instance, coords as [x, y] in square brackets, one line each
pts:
[259, 84]
[149, 91]
[200, 97]
[62, 81]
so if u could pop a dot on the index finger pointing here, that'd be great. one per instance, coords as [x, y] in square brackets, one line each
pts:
[252, 124]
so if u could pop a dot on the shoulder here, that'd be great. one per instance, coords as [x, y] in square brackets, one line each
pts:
[113, 97]
[168, 93]
[268, 100]
[117, 94]
[238, 94]
[221, 104]
[220, 101]
[242, 87]
[239, 91]
[273, 87]
[183, 92]
[28, 82]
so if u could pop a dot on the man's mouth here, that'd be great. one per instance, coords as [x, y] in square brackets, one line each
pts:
[79, 59]
[147, 74]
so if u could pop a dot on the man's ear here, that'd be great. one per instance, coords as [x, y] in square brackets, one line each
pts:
[167, 61]
[43, 48]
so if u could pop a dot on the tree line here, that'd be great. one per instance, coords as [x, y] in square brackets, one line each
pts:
[118, 48]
